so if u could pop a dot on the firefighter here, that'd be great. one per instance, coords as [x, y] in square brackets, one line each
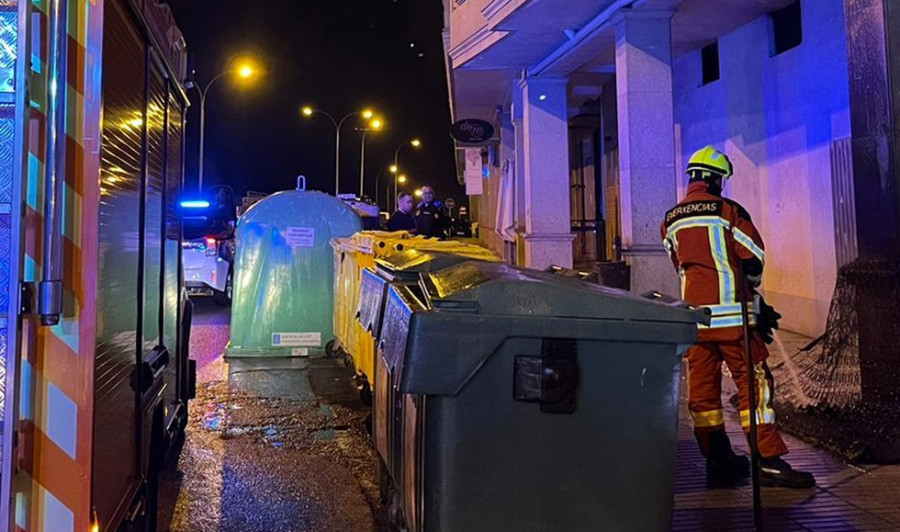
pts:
[709, 238]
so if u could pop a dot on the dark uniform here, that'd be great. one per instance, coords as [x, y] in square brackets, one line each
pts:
[401, 221]
[430, 219]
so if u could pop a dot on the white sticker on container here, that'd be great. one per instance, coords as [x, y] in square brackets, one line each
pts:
[300, 237]
[300, 352]
[309, 339]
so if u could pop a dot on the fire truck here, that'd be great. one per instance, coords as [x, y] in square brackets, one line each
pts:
[94, 324]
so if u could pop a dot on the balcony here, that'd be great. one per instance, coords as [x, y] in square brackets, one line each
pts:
[473, 23]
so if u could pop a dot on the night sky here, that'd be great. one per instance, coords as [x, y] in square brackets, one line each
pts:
[338, 55]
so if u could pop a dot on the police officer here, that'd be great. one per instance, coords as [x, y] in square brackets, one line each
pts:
[403, 219]
[709, 238]
[429, 215]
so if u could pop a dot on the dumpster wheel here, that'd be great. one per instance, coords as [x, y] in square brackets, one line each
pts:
[394, 505]
[331, 347]
[365, 392]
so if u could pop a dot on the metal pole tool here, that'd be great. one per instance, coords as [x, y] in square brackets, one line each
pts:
[753, 395]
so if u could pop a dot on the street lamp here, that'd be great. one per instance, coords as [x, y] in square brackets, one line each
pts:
[415, 143]
[366, 114]
[375, 124]
[244, 69]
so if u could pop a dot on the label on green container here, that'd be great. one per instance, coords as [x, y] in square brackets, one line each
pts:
[307, 339]
[300, 237]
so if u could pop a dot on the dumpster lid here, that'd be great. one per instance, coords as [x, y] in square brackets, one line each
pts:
[411, 262]
[500, 289]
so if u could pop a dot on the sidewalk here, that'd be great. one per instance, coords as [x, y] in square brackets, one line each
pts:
[847, 497]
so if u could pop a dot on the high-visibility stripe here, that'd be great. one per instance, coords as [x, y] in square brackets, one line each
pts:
[54, 478]
[748, 243]
[765, 415]
[720, 257]
[716, 227]
[723, 310]
[721, 322]
[729, 309]
[697, 221]
[711, 418]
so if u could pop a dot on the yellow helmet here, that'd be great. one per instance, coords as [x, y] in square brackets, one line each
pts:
[712, 161]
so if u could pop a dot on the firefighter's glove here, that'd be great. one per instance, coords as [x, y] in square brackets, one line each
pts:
[753, 272]
[766, 319]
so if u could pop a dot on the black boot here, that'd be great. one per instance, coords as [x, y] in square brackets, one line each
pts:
[724, 468]
[775, 472]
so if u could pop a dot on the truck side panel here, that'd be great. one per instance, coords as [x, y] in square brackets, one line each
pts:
[56, 392]
[115, 425]
[172, 258]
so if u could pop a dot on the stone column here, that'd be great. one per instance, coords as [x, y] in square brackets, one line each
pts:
[647, 173]
[545, 142]
[508, 157]
[519, 125]
[873, 45]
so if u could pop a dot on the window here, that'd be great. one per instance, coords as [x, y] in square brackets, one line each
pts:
[786, 28]
[709, 58]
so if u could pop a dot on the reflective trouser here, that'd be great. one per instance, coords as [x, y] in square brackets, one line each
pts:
[705, 392]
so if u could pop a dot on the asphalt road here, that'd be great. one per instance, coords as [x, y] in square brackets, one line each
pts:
[272, 445]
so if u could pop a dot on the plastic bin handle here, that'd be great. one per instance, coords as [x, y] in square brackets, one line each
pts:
[703, 314]
[550, 379]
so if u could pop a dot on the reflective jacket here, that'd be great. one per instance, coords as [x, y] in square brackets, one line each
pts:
[706, 236]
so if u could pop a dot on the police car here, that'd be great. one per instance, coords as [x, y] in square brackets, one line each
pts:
[208, 245]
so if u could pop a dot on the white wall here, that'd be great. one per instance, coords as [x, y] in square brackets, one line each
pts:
[776, 117]
[466, 19]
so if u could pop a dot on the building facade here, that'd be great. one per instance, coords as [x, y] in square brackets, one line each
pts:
[598, 104]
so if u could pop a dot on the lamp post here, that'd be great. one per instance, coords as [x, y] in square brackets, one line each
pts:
[308, 112]
[415, 143]
[377, 186]
[244, 71]
[375, 125]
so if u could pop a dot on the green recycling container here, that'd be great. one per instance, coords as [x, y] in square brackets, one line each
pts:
[284, 273]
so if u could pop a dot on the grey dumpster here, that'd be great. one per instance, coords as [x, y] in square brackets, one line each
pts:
[402, 268]
[532, 402]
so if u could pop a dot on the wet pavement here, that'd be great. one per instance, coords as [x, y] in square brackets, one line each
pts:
[281, 445]
[272, 444]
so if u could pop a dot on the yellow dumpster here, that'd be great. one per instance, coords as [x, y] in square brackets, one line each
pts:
[351, 255]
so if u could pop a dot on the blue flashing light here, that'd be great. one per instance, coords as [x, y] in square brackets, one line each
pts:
[195, 204]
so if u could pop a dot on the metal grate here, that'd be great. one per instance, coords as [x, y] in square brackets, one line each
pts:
[9, 31]
[7, 153]
[844, 202]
